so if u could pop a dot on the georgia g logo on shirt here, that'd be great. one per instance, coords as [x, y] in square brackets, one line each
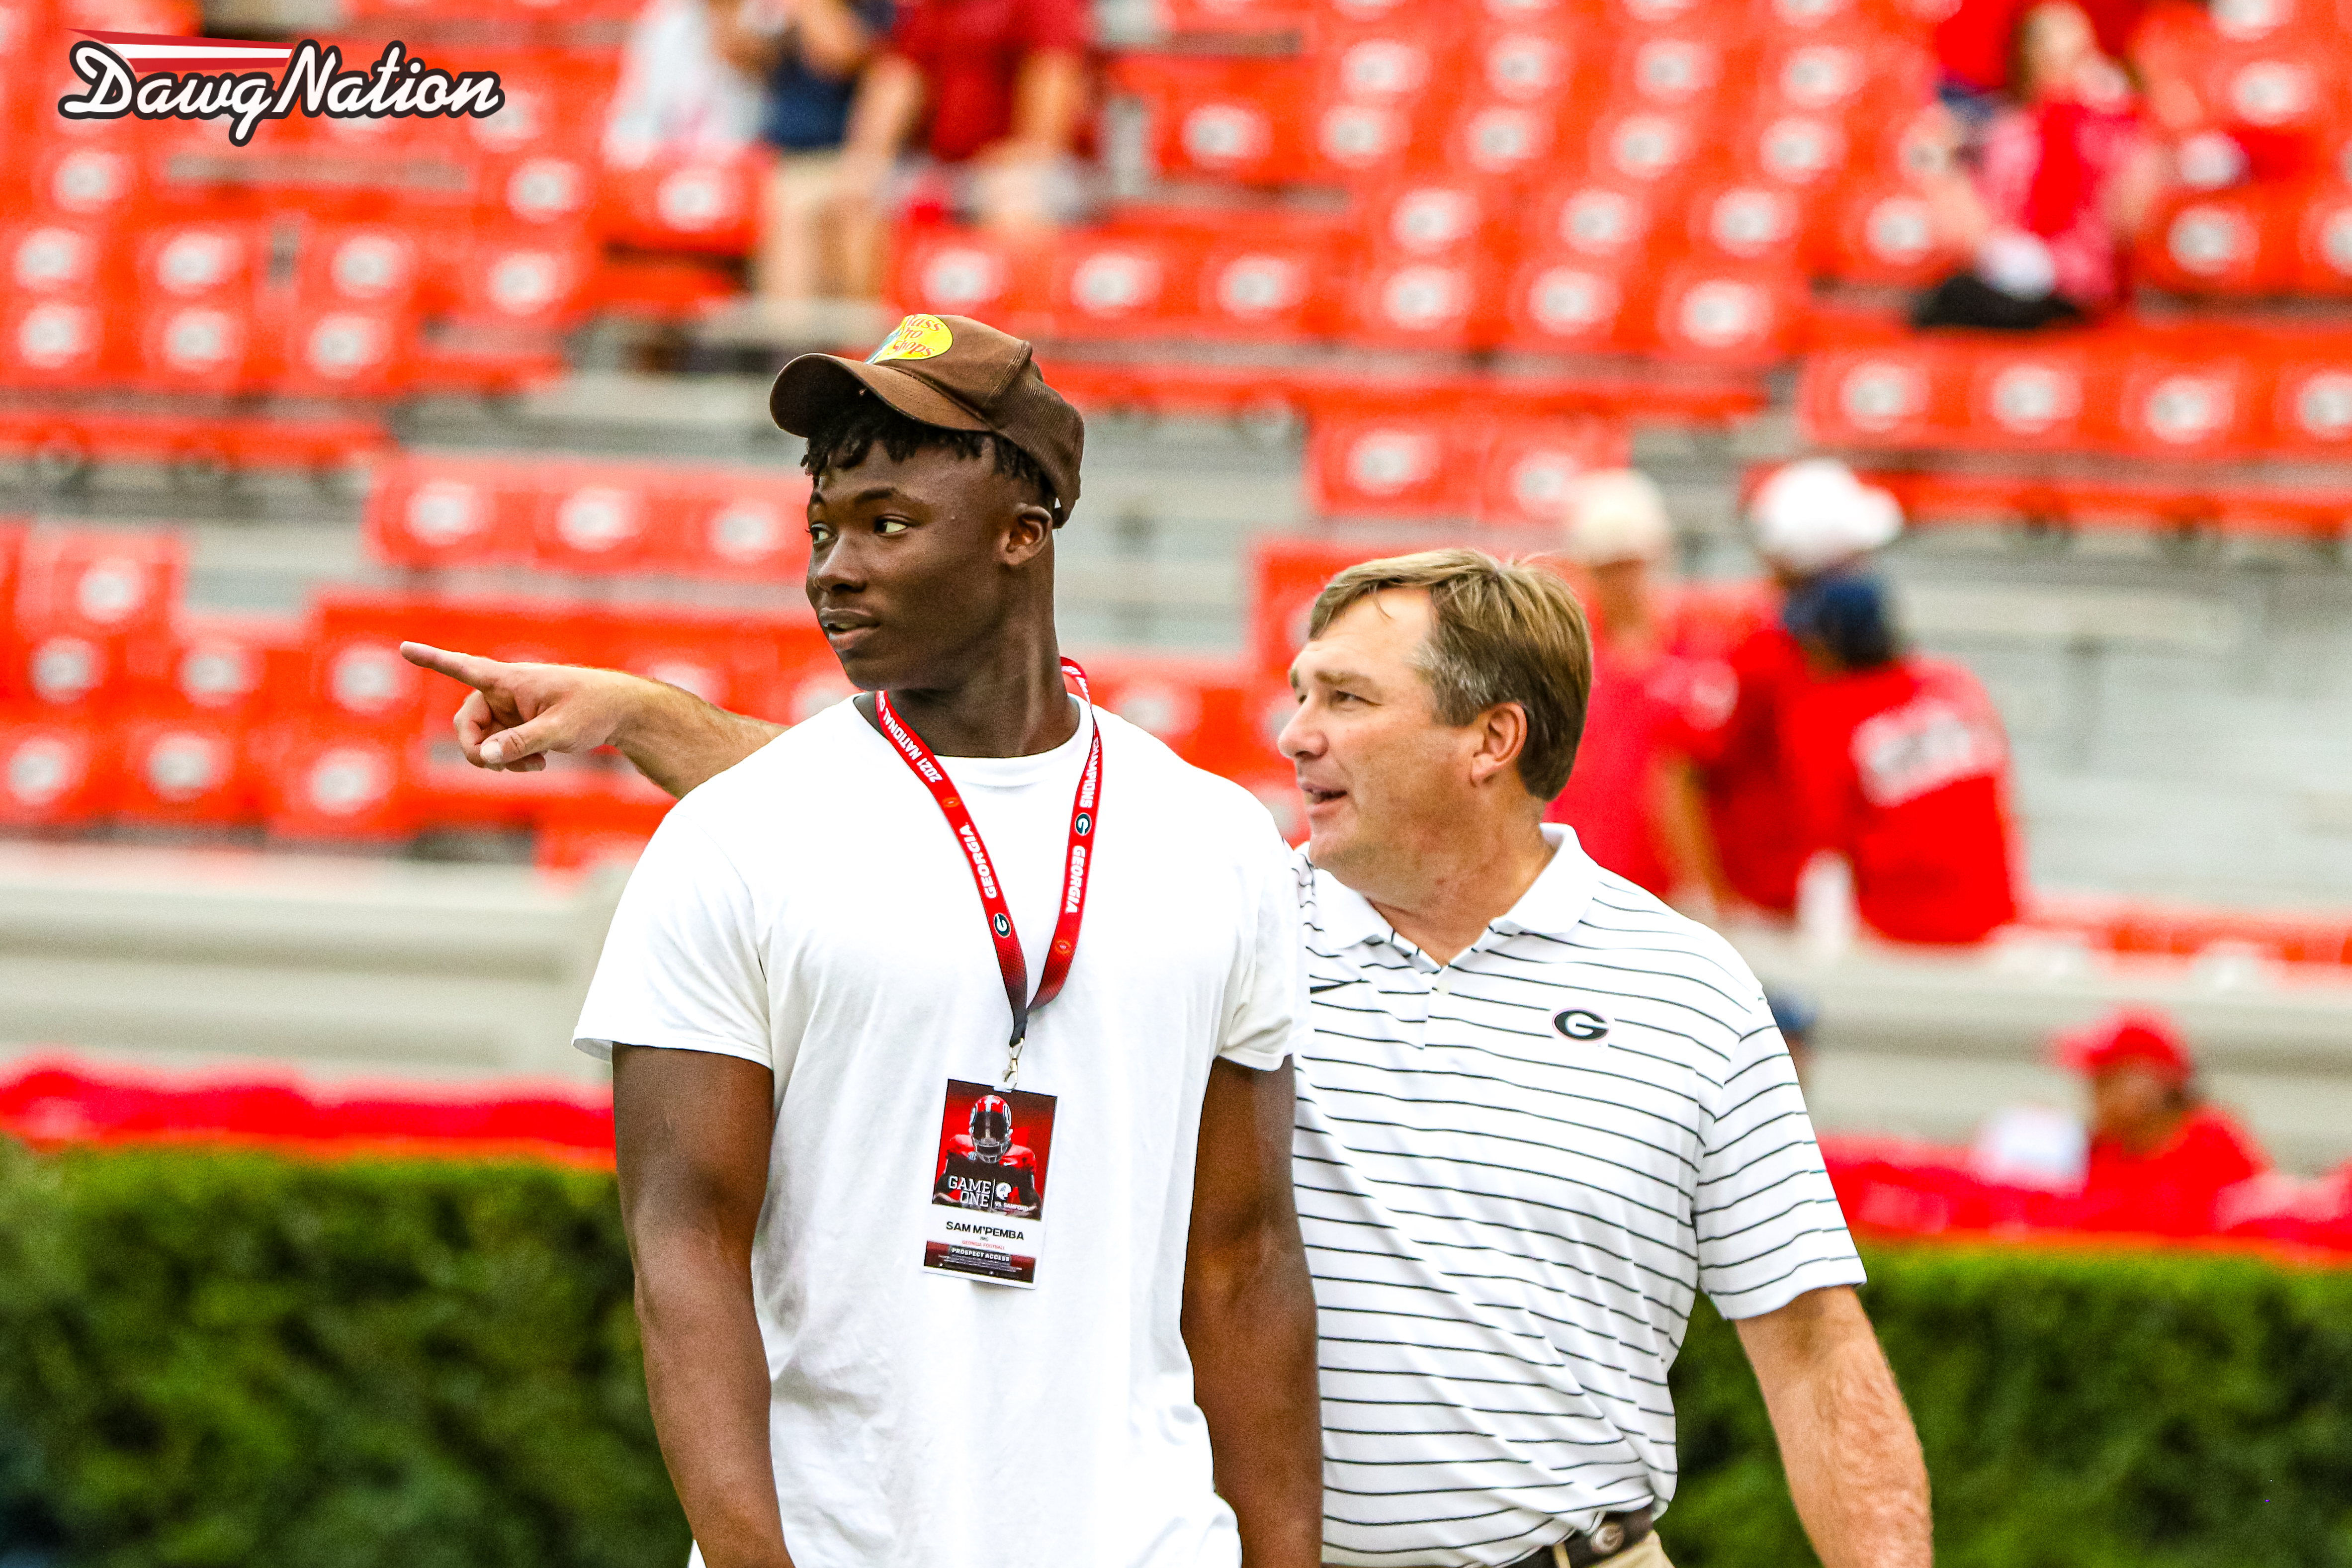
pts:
[1577, 1023]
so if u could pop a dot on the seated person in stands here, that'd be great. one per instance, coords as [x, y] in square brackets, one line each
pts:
[991, 94]
[810, 54]
[2064, 179]
[1810, 519]
[1898, 763]
[2159, 1155]
[679, 95]
[1634, 798]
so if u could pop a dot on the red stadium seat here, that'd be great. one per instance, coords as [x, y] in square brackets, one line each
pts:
[232, 670]
[2180, 405]
[1879, 397]
[201, 261]
[1730, 315]
[1645, 145]
[2035, 396]
[92, 583]
[322, 783]
[705, 205]
[539, 189]
[70, 674]
[347, 352]
[1882, 234]
[1807, 151]
[450, 511]
[1748, 221]
[2311, 407]
[595, 517]
[1426, 304]
[1569, 304]
[73, 258]
[1386, 64]
[1286, 575]
[1124, 284]
[1351, 141]
[1502, 141]
[1235, 16]
[364, 264]
[197, 347]
[1239, 120]
[79, 181]
[749, 523]
[1530, 466]
[1000, 278]
[1605, 219]
[53, 773]
[2324, 254]
[1430, 220]
[58, 341]
[1270, 281]
[1518, 63]
[183, 771]
[1672, 69]
[1400, 466]
[2230, 242]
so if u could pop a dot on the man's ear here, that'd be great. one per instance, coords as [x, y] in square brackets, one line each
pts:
[1502, 735]
[1031, 531]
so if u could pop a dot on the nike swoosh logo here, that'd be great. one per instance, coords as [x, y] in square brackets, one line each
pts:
[1328, 985]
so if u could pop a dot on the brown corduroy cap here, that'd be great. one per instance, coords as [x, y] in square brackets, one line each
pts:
[952, 372]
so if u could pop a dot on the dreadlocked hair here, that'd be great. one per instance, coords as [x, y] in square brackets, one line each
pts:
[867, 421]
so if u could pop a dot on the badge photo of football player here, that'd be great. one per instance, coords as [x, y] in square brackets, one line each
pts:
[985, 1169]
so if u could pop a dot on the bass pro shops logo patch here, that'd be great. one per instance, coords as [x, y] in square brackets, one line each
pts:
[158, 77]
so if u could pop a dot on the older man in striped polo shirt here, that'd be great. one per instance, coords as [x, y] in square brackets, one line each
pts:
[1541, 1111]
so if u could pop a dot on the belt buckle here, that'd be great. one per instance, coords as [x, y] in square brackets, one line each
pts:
[1608, 1538]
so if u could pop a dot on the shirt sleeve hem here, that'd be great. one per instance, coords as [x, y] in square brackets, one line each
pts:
[601, 1046]
[1265, 1058]
[1818, 1276]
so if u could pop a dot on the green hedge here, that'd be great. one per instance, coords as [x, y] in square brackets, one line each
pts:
[232, 1359]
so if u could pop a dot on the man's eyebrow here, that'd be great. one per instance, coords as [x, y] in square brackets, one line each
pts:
[871, 492]
[1340, 677]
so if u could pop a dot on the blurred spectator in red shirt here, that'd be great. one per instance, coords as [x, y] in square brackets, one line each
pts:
[994, 94]
[1810, 517]
[2159, 1154]
[1634, 798]
[2065, 178]
[1900, 765]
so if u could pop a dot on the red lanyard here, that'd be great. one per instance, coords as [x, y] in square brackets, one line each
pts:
[1083, 812]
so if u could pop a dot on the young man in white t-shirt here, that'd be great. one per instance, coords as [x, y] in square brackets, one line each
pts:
[923, 1280]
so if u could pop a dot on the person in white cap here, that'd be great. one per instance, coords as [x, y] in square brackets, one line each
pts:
[1634, 799]
[1810, 519]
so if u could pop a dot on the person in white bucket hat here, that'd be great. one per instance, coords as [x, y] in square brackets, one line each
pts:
[1808, 519]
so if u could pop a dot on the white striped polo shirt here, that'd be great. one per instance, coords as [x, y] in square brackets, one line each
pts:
[1514, 1173]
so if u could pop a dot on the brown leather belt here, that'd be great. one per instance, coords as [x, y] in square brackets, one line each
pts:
[1614, 1533]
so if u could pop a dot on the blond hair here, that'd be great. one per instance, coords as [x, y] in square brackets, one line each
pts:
[1499, 632]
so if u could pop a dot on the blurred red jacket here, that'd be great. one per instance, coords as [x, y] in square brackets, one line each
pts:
[1904, 770]
[2173, 1189]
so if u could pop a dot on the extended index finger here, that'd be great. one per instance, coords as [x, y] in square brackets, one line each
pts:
[481, 674]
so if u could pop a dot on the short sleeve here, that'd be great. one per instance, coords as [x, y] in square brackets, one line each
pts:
[1056, 25]
[1266, 1018]
[1769, 1224]
[681, 967]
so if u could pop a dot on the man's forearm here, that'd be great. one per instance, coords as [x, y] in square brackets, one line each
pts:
[707, 1377]
[679, 741]
[1249, 1323]
[1853, 1458]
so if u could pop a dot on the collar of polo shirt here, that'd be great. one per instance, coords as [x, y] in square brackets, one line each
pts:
[1553, 904]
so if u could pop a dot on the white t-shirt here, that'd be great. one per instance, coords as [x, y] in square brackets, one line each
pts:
[809, 909]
